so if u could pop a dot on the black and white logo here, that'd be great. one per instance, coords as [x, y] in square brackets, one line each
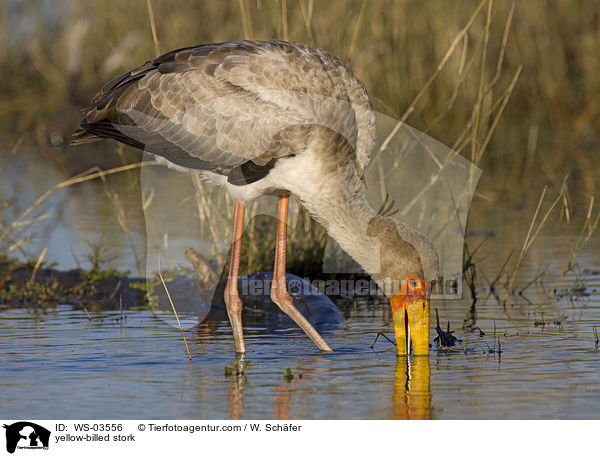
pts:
[26, 435]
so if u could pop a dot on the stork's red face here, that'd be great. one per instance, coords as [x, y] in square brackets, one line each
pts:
[410, 310]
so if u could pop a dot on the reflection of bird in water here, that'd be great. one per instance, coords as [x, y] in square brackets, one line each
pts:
[263, 117]
[412, 397]
[235, 390]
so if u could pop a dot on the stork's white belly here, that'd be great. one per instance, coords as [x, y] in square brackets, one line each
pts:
[299, 174]
[241, 193]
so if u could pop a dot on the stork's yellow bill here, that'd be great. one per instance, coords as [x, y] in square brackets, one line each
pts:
[410, 311]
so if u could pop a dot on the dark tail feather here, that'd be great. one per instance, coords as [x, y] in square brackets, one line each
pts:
[82, 136]
[95, 131]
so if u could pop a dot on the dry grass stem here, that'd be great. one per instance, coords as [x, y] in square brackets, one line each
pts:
[30, 221]
[502, 48]
[438, 70]
[567, 210]
[529, 239]
[19, 244]
[122, 219]
[173, 307]
[246, 20]
[84, 177]
[284, 20]
[153, 27]
[307, 17]
[356, 29]
[498, 115]
[38, 264]
[589, 226]
[480, 90]
[86, 312]
[500, 271]
[462, 140]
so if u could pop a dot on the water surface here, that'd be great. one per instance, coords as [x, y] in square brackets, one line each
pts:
[136, 367]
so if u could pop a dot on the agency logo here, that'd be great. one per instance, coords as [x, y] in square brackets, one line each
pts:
[26, 435]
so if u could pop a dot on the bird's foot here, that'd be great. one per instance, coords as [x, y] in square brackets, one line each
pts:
[281, 297]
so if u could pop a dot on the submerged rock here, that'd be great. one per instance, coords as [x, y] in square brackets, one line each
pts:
[254, 291]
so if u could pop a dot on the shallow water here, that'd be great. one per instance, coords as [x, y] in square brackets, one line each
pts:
[136, 367]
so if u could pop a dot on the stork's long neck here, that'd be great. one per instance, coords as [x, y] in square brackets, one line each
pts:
[346, 217]
[327, 183]
[339, 203]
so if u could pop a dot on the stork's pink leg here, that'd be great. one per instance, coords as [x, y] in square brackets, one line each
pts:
[232, 297]
[279, 292]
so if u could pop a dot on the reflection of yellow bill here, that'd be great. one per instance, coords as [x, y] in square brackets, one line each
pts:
[412, 397]
[410, 311]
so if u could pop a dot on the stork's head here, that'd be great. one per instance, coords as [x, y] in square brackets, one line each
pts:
[409, 261]
[410, 311]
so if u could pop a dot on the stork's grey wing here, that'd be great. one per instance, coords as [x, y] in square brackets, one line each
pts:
[227, 106]
[310, 82]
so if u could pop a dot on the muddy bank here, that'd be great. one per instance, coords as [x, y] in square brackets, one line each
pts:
[22, 285]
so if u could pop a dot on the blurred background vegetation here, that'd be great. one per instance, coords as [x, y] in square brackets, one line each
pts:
[56, 54]
[513, 86]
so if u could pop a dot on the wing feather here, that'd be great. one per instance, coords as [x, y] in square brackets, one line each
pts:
[221, 106]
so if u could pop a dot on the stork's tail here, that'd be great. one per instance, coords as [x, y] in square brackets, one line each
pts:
[82, 136]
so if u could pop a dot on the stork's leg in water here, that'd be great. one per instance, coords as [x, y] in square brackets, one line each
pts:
[232, 297]
[279, 292]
